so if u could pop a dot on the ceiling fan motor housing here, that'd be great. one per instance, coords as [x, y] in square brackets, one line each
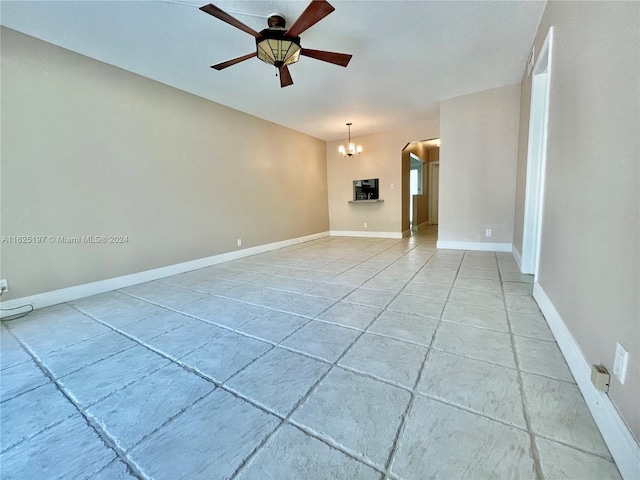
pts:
[276, 20]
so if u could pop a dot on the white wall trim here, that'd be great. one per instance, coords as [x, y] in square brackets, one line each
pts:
[345, 233]
[480, 246]
[62, 295]
[517, 256]
[621, 442]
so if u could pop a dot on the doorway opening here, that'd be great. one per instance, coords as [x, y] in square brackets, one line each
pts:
[419, 192]
[536, 159]
[416, 187]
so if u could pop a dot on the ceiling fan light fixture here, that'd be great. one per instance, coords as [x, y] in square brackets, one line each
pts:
[351, 149]
[278, 51]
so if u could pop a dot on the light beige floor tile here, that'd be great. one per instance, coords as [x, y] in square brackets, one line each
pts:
[328, 290]
[445, 442]
[274, 326]
[476, 315]
[413, 304]
[477, 297]
[200, 282]
[486, 388]
[476, 343]
[370, 298]
[220, 423]
[358, 421]
[563, 463]
[164, 294]
[517, 277]
[558, 411]
[479, 284]
[279, 379]
[386, 358]
[322, 340]
[223, 311]
[292, 454]
[391, 284]
[404, 326]
[350, 315]
[521, 304]
[226, 355]
[261, 296]
[431, 290]
[306, 306]
[515, 288]
[480, 274]
[542, 357]
[530, 325]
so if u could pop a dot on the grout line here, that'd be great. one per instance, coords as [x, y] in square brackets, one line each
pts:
[525, 407]
[107, 440]
[405, 416]
[606, 457]
[471, 410]
[247, 461]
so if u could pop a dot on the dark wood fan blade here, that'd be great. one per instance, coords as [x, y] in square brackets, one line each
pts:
[341, 59]
[285, 77]
[225, 17]
[316, 11]
[228, 63]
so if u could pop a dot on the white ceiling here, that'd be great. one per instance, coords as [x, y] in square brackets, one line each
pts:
[407, 55]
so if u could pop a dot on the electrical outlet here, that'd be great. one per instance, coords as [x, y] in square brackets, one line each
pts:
[4, 286]
[620, 363]
[393, 186]
[487, 232]
[365, 225]
[239, 242]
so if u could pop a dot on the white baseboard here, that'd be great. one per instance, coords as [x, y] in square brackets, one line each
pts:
[345, 233]
[479, 246]
[621, 442]
[62, 295]
[517, 256]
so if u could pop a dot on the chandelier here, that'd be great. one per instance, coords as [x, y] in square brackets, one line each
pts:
[351, 148]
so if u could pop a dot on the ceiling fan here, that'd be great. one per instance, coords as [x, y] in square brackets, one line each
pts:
[278, 46]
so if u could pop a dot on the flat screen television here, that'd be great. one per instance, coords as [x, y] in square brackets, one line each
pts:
[366, 189]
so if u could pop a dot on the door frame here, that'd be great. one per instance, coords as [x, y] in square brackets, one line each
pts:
[432, 196]
[536, 158]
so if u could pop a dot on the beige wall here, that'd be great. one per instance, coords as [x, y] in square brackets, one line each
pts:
[479, 141]
[89, 149]
[382, 158]
[590, 251]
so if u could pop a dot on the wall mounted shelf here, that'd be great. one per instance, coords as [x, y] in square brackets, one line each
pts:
[377, 200]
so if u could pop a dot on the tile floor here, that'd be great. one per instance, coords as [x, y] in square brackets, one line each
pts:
[341, 358]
